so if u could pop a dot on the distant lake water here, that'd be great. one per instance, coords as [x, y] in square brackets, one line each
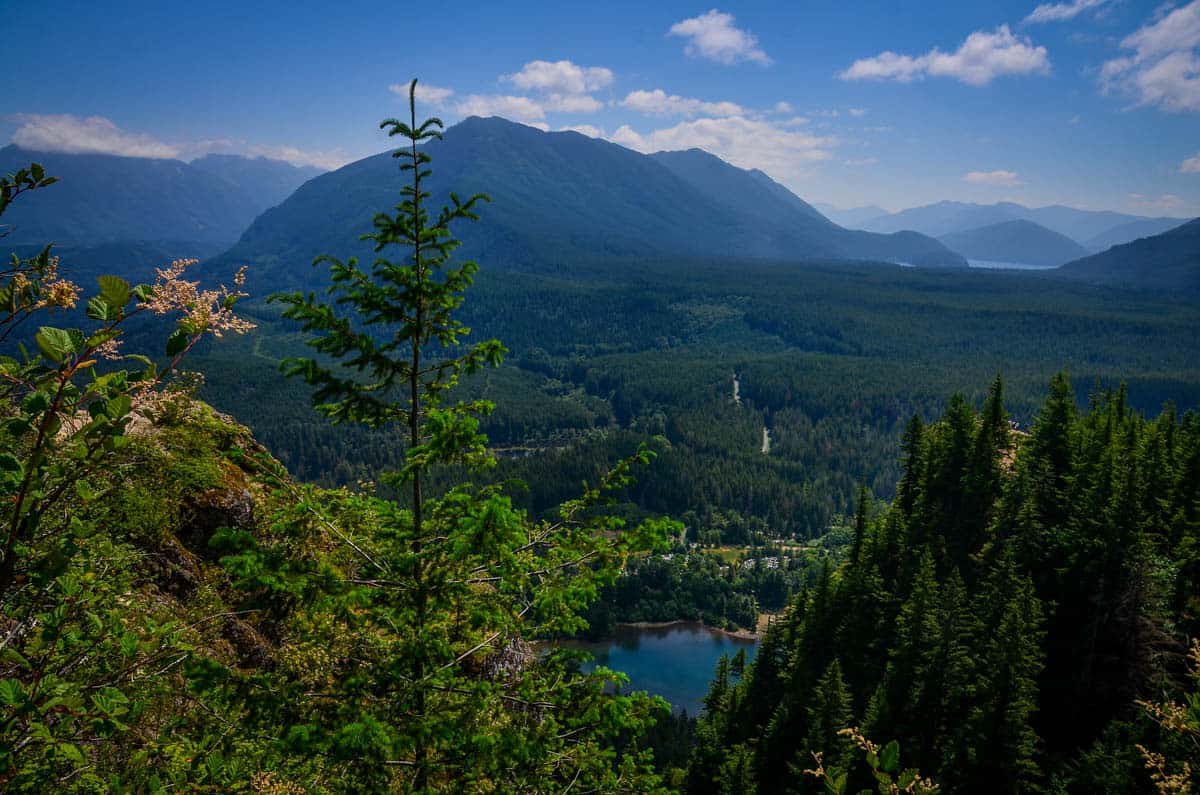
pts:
[1011, 266]
[676, 662]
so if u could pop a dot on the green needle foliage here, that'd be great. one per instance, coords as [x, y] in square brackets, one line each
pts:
[431, 681]
[77, 649]
[1001, 622]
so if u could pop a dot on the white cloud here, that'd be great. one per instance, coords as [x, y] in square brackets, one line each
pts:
[326, 160]
[98, 135]
[659, 102]
[795, 121]
[433, 95]
[1163, 68]
[857, 112]
[998, 178]
[712, 35]
[560, 77]
[1191, 165]
[1060, 12]
[86, 135]
[783, 107]
[564, 86]
[521, 109]
[861, 161]
[572, 103]
[748, 143]
[583, 129]
[981, 58]
[1168, 201]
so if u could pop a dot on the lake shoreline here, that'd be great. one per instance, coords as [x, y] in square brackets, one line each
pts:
[764, 620]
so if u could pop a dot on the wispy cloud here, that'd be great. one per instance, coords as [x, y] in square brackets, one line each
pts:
[861, 161]
[1061, 12]
[98, 135]
[327, 160]
[583, 129]
[86, 135]
[1191, 165]
[433, 95]
[785, 154]
[1166, 202]
[659, 102]
[981, 58]
[560, 86]
[516, 108]
[998, 178]
[713, 35]
[1163, 69]
[560, 77]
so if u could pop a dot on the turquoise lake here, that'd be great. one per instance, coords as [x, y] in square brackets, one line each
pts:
[676, 662]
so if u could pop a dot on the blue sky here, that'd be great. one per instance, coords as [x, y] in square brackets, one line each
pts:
[1092, 103]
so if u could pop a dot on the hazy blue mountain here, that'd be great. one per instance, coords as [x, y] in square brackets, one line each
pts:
[135, 260]
[1083, 225]
[799, 226]
[265, 182]
[1017, 241]
[1169, 261]
[1134, 230]
[1093, 229]
[852, 218]
[107, 198]
[944, 218]
[564, 198]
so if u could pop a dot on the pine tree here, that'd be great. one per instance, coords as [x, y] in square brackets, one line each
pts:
[908, 491]
[829, 711]
[907, 686]
[1002, 744]
[445, 692]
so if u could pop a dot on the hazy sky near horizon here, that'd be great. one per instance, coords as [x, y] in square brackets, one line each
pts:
[1091, 103]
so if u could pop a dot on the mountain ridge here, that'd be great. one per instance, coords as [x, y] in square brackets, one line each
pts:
[1168, 261]
[562, 198]
[1016, 241]
[102, 198]
[1096, 230]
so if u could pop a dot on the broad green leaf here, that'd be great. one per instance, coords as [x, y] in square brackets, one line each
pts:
[889, 757]
[177, 342]
[55, 344]
[11, 692]
[35, 403]
[97, 308]
[115, 291]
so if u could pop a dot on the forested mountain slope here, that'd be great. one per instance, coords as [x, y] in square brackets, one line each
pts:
[1000, 619]
[107, 198]
[1017, 241]
[561, 200]
[1169, 261]
[1094, 229]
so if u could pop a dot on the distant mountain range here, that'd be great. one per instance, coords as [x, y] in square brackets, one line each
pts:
[1094, 230]
[852, 218]
[561, 201]
[103, 199]
[1017, 241]
[563, 198]
[1169, 261]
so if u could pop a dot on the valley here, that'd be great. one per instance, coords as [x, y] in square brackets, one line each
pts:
[830, 477]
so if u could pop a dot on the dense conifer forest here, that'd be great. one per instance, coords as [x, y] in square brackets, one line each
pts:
[338, 556]
[1012, 618]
